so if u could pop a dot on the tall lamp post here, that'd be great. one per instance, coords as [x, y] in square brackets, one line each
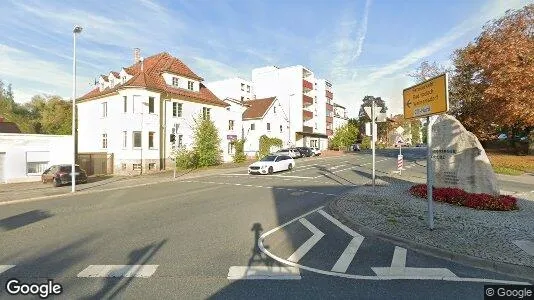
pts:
[290, 143]
[77, 29]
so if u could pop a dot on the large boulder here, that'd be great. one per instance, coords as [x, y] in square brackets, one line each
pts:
[459, 160]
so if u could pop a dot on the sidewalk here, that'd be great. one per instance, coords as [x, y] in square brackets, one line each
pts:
[29, 191]
[480, 238]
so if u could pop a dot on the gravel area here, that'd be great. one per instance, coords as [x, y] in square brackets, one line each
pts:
[392, 210]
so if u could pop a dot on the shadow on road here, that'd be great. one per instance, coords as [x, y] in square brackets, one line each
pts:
[24, 219]
[258, 257]
[113, 286]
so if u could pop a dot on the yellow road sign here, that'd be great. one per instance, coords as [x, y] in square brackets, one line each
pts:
[427, 98]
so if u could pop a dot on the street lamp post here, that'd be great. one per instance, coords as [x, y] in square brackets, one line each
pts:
[289, 121]
[77, 29]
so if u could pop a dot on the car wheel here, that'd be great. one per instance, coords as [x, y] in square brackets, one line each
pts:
[270, 170]
[290, 167]
[57, 183]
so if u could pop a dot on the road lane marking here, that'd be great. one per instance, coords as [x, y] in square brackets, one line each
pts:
[143, 271]
[365, 277]
[415, 273]
[343, 262]
[291, 176]
[263, 272]
[340, 225]
[260, 186]
[399, 258]
[4, 268]
[307, 245]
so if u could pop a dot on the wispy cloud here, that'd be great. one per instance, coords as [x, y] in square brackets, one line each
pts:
[215, 70]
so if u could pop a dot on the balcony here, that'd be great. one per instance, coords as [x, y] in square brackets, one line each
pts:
[307, 115]
[329, 119]
[307, 100]
[307, 129]
[329, 107]
[308, 86]
[329, 95]
[329, 132]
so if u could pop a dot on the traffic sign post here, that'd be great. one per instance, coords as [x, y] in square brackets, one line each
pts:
[400, 163]
[428, 98]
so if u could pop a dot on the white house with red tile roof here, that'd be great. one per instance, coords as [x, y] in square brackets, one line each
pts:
[134, 116]
[264, 116]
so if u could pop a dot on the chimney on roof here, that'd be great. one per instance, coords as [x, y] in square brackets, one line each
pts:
[137, 55]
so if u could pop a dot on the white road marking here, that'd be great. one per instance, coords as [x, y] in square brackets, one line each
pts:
[144, 271]
[364, 277]
[259, 186]
[414, 273]
[307, 245]
[336, 167]
[343, 262]
[263, 272]
[4, 268]
[399, 258]
[525, 245]
[291, 176]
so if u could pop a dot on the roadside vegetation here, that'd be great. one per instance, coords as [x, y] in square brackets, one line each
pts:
[511, 164]
[266, 143]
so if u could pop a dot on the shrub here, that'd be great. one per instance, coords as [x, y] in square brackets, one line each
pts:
[366, 143]
[239, 151]
[460, 197]
[265, 145]
[207, 142]
[186, 159]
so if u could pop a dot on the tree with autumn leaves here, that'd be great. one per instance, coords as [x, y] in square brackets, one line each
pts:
[492, 85]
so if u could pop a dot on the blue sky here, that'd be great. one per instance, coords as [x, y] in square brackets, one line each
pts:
[365, 47]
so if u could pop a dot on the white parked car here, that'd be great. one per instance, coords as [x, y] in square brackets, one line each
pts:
[272, 163]
[293, 153]
[316, 151]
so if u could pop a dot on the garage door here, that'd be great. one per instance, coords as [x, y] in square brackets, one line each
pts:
[2, 157]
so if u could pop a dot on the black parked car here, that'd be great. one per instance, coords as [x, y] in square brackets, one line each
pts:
[61, 174]
[305, 151]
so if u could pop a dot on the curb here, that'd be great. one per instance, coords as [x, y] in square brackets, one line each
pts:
[85, 192]
[486, 264]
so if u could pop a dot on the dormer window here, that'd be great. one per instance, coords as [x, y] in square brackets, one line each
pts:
[190, 85]
[175, 81]
[123, 79]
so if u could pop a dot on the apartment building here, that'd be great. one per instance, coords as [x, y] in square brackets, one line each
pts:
[306, 100]
[234, 88]
[142, 112]
[264, 117]
[340, 116]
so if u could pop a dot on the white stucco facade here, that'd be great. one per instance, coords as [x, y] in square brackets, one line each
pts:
[340, 116]
[24, 157]
[235, 88]
[274, 124]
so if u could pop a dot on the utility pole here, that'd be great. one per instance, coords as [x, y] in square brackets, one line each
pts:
[373, 137]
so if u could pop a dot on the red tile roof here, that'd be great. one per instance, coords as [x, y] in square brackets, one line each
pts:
[116, 74]
[151, 78]
[257, 108]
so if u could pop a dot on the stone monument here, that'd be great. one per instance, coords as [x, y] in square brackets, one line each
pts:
[459, 160]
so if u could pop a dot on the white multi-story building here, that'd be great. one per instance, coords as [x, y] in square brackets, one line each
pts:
[304, 98]
[264, 117]
[340, 116]
[134, 113]
[234, 88]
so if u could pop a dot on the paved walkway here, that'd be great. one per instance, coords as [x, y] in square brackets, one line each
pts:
[486, 239]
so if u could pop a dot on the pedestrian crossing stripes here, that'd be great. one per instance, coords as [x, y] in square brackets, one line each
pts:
[118, 271]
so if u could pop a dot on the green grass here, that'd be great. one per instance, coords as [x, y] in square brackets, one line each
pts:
[507, 171]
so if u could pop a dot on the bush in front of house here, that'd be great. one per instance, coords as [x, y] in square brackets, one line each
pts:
[239, 146]
[460, 197]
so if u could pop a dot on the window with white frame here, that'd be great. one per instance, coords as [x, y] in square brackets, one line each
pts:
[137, 143]
[242, 86]
[136, 166]
[268, 126]
[230, 124]
[125, 103]
[206, 113]
[104, 109]
[124, 139]
[180, 140]
[151, 140]
[231, 148]
[252, 126]
[152, 166]
[190, 85]
[281, 128]
[177, 109]
[36, 167]
[104, 140]
[274, 109]
[248, 88]
[175, 81]
[123, 79]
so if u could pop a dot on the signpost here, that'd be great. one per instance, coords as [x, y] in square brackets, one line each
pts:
[375, 117]
[425, 99]
[400, 163]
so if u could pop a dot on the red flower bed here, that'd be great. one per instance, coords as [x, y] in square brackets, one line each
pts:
[460, 197]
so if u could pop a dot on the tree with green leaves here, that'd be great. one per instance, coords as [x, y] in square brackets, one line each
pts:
[344, 136]
[415, 131]
[206, 142]
[239, 146]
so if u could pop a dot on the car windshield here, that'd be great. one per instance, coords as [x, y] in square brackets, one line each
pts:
[268, 158]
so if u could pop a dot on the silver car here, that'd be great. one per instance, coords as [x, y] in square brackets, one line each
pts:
[293, 153]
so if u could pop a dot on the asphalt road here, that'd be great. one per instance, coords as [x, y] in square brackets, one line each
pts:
[188, 234]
